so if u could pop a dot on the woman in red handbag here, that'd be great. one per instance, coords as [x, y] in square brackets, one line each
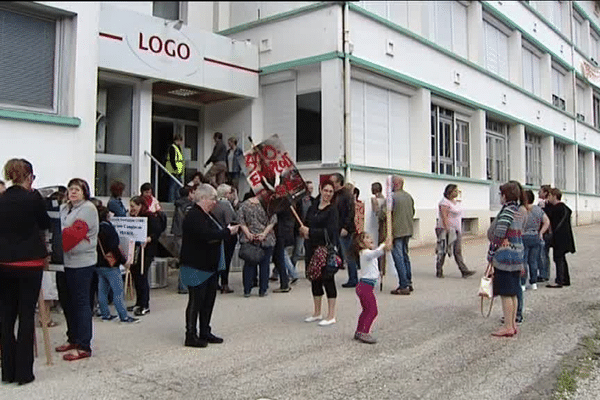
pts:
[22, 258]
[321, 219]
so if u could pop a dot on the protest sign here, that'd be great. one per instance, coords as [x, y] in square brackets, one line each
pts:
[130, 230]
[272, 175]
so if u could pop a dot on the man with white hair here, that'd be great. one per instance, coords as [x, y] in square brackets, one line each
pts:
[202, 258]
[226, 215]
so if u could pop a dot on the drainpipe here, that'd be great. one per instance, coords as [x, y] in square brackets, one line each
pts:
[346, 33]
[574, 82]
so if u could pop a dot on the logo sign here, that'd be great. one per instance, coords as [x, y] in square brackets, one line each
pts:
[169, 47]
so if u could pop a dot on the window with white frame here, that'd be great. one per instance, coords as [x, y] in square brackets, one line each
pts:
[395, 11]
[597, 176]
[448, 25]
[30, 45]
[594, 46]
[581, 170]
[556, 14]
[558, 88]
[496, 47]
[449, 143]
[533, 159]
[380, 126]
[581, 101]
[531, 70]
[560, 165]
[496, 140]
[596, 109]
[578, 31]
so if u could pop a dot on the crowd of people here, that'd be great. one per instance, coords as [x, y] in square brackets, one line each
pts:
[209, 221]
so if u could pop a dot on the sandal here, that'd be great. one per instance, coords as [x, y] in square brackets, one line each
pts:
[80, 354]
[65, 347]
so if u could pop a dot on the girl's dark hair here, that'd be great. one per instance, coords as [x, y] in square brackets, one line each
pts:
[140, 202]
[116, 188]
[83, 185]
[513, 191]
[17, 170]
[102, 212]
[356, 192]
[325, 183]
[449, 189]
[146, 186]
[358, 244]
[529, 196]
[376, 186]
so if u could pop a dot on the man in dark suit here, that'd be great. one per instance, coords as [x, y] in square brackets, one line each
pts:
[562, 241]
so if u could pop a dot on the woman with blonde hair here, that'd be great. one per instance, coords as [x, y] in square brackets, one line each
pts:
[23, 254]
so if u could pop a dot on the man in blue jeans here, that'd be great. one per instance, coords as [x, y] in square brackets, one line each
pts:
[344, 201]
[403, 211]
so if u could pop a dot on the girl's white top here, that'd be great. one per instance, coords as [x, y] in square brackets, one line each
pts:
[369, 266]
[454, 214]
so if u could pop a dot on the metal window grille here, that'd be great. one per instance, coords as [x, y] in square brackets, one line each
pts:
[533, 160]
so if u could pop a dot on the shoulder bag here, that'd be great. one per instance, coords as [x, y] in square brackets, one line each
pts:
[251, 252]
[110, 258]
[333, 261]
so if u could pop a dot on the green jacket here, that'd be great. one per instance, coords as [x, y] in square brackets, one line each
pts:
[403, 212]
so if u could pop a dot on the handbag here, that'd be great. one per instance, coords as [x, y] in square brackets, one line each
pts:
[333, 261]
[314, 271]
[251, 252]
[486, 290]
[110, 258]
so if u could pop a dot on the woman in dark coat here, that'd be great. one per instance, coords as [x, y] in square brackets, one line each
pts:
[202, 257]
[22, 258]
[562, 240]
[322, 219]
[138, 208]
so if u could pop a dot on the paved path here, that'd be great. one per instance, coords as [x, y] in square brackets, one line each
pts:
[433, 344]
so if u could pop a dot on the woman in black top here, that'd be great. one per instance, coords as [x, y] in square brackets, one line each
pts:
[138, 208]
[23, 253]
[322, 219]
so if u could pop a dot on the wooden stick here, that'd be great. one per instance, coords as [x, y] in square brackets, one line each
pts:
[297, 216]
[143, 247]
[44, 319]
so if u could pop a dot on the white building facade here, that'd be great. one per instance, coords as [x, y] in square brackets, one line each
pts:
[467, 92]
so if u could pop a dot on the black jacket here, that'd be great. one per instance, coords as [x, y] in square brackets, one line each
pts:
[23, 218]
[284, 230]
[319, 222]
[109, 239]
[344, 202]
[562, 235]
[201, 244]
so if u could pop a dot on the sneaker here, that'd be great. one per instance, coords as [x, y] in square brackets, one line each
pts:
[313, 319]
[349, 284]
[327, 322]
[523, 288]
[141, 311]
[467, 274]
[519, 320]
[263, 294]
[130, 320]
[366, 338]
[293, 281]
[282, 290]
[109, 318]
[246, 294]
[132, 308]
[534, 286]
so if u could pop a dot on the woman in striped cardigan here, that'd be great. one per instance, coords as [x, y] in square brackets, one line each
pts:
[506, 253]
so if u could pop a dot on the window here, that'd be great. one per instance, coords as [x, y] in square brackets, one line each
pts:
[497, 151]
[531, 71]
[560, 165]
[594, 45]
[533, 159]
[395, 11]
[597, 176]
[449, 143]
[578, 31]
[166, 9]
[30, 48]
[581, 170]
[581, 103]
[380, 126]
[114, 127]
[308, 127]
[448, 25]
[556, 14]
[496, 50]
[558, 89]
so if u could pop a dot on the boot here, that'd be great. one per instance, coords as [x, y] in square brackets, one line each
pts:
[192, 340]
[226, 289]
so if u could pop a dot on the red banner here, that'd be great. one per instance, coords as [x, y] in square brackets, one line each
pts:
[273, 176]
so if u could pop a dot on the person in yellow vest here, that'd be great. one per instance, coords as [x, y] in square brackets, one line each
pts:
[175, 166]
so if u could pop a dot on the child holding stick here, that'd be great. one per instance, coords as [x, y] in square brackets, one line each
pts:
[364, 250]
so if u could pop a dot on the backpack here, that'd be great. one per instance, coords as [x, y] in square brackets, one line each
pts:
[163, 221]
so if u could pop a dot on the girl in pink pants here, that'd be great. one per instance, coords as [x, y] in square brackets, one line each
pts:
[365, 250]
